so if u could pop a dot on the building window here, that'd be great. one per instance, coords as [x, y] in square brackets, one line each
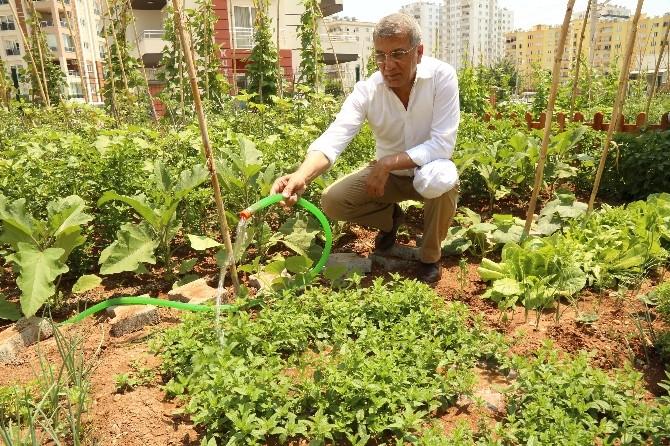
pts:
[68, 43]
[244, 17]
[7, 23]
[51, 42]
[12, 48]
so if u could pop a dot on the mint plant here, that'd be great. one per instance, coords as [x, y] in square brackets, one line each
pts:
[41, 247]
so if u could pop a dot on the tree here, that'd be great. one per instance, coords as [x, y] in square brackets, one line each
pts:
[262, 66]
[124, 78]
[53, 78]
[310, 44]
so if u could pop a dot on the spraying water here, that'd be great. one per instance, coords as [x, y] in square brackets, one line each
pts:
[241, 241]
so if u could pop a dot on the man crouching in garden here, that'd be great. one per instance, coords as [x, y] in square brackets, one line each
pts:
[412, 106]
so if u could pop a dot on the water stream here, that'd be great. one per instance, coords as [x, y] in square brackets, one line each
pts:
[241, 241]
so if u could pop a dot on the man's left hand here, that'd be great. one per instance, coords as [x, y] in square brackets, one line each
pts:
[376, 180]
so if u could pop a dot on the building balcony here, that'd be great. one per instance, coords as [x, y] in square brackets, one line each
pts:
[150, 46]
[148, 5]
[339, 48]
[49, 5]
[330, 7]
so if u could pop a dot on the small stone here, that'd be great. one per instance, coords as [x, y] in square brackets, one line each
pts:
[128, 319]
[351, 261]
[196, 292]
[22, 334]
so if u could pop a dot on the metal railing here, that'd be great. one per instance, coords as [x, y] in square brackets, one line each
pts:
[13, 51]
[152, 34]
[63, 23]
[69, 49]
[46, 22]
[74, 73]
[244, 37]
[154, 73]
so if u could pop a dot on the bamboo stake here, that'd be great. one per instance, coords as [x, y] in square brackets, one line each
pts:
[233, 61]
[77, 47]
[37, 36]
[118, 49]
[578, 66]
[28, 49]
[618, 104]
[652, 90]
[3, 85]
[280, 77]
[144, 72]
[114, 102]
[550, 113]
[207, 145]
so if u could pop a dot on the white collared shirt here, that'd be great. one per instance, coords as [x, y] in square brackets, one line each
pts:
[426, 130]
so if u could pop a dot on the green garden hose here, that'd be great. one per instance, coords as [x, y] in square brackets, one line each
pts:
[276, 198]
[245, 214]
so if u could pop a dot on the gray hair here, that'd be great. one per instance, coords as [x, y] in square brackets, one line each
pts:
[396, 24]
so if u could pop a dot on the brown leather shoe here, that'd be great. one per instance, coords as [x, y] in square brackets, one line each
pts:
[385, 240]
[429, 273]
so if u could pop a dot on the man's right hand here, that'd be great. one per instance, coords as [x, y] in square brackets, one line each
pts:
[291, 187]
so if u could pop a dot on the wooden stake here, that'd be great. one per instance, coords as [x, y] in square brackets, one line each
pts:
[550, 113]
[207, 145]
[618, 104]
[79, 55]
[652, 90]
[575, 81]
[28, 48]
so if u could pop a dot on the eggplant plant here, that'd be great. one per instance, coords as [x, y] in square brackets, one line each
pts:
[137, 243]
[40, 248]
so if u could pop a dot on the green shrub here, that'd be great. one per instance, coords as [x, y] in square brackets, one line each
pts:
[638, 166]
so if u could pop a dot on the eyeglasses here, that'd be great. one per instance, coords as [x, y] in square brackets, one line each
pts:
[396, 55]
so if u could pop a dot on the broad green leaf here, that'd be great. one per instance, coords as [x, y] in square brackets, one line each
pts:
[334, 272]
[187, 265]
[189, 179]
[507, 287]
[18, 224]
[138, 203]
[298, 264]
[67, 213]
[38, 271]
[134, 246]
[9, 310]
[162, 177]
[298, 234]
[86, 283]
[184, 280]
[69, 240]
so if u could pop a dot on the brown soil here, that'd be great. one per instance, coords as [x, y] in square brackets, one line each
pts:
[145, 417]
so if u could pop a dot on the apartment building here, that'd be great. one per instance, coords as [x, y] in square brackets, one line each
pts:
[474, 30]
[604, 44]
[72, 29]
[353, 40]
[234, 35]
[429, 17]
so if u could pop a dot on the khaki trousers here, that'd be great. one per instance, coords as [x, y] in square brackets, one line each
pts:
[347, 200]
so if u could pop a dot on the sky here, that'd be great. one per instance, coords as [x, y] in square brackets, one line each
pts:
[526, 12]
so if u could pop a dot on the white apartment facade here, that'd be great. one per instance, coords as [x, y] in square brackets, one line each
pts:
[429, 17]
[358, 37]
[474, 29]
[72, 29]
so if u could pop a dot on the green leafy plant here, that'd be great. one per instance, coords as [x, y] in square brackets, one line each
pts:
[262, 66]
[558, 401]
[138, 376]
[41, 247]
[136, 243]
[355, 365]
